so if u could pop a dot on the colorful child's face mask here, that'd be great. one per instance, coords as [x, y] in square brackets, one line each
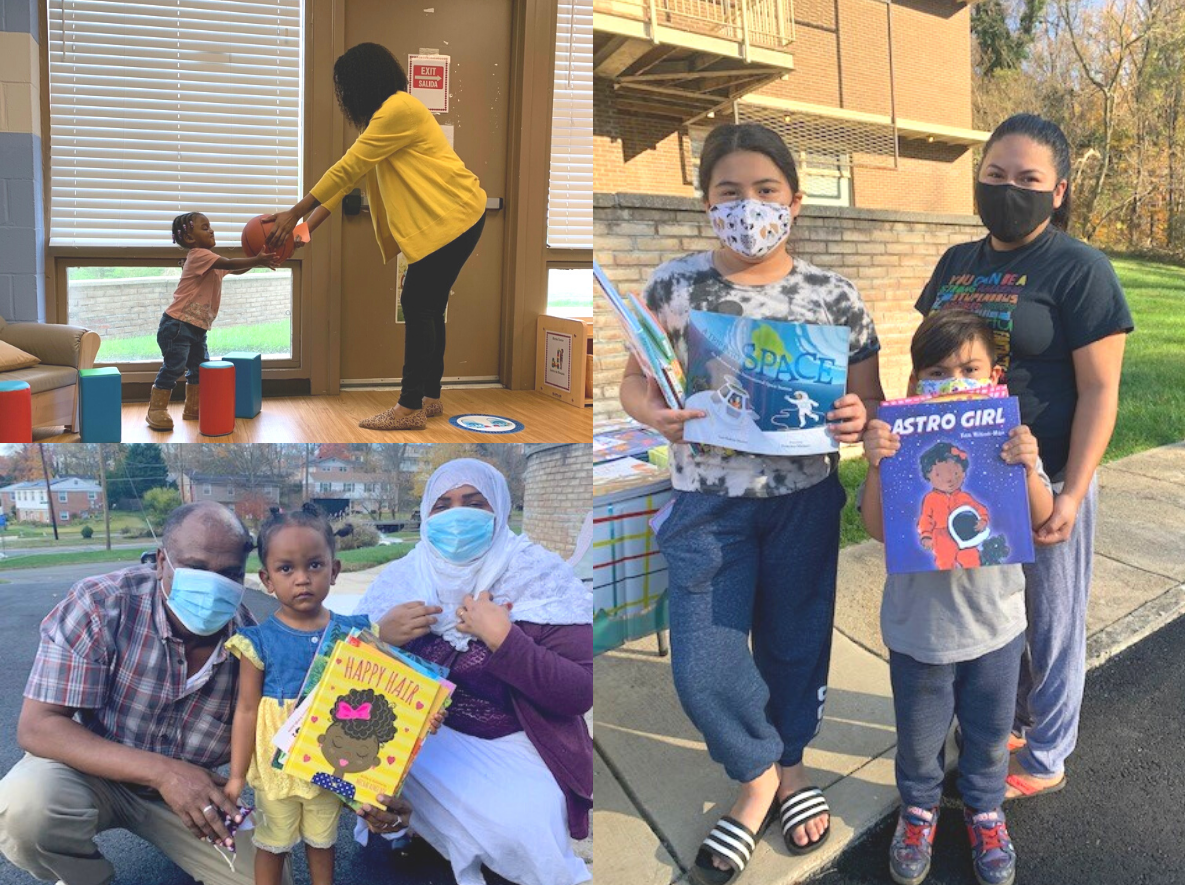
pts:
[751, 228]
[947, 386]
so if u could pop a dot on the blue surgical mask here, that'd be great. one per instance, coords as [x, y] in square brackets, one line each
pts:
[461, 534]
[947, 386]
[204, 602]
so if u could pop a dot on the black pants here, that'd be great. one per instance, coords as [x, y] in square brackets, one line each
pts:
[425, 297]
[183, 349]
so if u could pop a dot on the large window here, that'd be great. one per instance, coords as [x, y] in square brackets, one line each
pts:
[159, 107]
[124, 305]
[569, 205]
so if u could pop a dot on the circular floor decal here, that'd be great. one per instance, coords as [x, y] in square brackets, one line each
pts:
[486, 423]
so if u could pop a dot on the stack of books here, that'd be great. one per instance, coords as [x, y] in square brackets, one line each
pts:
[362, 716]
[647, 341]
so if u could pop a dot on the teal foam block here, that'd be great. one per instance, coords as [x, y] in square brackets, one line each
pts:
[100, 403]
[248, 383]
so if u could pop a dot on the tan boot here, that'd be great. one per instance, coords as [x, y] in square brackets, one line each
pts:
[433, 408]
[388, 420]
[191, 402]
[158, 410]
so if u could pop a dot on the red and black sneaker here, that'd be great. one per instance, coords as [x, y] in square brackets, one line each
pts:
[909, 855]
[992, 854]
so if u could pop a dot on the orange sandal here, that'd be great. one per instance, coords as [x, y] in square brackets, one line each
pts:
[1026, 790]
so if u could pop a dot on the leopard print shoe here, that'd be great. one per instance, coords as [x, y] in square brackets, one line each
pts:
[388, 420]
[433, 408]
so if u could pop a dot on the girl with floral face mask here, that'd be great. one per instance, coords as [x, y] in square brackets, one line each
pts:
[1060, 320]
[508, 778]
[752, 541]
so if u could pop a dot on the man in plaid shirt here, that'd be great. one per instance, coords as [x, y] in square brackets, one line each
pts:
[126, 714]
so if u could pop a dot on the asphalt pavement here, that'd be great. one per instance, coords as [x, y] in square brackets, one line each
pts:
[1118, 821]
[24, 601]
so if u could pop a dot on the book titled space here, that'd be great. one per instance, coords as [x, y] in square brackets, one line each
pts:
[766, 385]
[948, 499]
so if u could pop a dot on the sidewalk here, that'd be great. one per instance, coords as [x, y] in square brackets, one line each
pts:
[344, 594]
[658, 793]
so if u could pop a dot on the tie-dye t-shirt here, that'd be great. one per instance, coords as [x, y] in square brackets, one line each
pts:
[807, 294]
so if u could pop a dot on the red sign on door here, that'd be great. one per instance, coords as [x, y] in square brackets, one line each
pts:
[428, 81]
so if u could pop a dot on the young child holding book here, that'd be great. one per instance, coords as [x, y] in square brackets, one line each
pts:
[181, 334]
[955, 637]
[752, 541]
[296, 550]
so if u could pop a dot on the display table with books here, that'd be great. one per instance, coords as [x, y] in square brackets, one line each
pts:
[629, 572]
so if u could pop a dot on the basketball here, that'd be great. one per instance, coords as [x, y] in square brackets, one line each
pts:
[255, 237]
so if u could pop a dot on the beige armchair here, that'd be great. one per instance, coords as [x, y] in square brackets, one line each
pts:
[63, 350]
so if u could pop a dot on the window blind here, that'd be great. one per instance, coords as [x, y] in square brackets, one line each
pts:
[168, 106]
[569, 203]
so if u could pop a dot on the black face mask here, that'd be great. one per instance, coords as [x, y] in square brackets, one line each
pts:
[1011, 213]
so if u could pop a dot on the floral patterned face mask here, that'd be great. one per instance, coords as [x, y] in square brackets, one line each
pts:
[751, 228]
[947, 386]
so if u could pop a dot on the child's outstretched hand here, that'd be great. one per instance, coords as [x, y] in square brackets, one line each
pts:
[847, 418]
[1021, 448]
[879, 442]
[270, 259]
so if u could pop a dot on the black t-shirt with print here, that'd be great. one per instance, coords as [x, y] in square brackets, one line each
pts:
[1044, 301]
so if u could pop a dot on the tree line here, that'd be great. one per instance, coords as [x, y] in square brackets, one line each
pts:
[1112, 74]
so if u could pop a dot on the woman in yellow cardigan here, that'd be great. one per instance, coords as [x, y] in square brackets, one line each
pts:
[423, 202]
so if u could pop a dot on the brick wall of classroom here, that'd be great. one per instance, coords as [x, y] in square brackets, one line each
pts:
[889, 256]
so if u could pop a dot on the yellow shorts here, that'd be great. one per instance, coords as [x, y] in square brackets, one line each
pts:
[281, 824]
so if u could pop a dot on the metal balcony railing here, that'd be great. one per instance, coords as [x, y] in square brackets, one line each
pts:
[768, 24]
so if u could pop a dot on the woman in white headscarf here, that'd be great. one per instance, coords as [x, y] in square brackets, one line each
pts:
[508, 777]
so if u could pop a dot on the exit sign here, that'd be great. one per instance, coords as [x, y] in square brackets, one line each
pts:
[427, 77]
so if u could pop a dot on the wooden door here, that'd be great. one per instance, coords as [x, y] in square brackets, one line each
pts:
[476, 34]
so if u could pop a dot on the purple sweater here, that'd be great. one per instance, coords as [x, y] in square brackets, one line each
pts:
[548, 675]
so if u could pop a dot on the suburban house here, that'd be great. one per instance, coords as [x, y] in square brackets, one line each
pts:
[338, 478]
[872, 98]
[73, 498]
[240, 493]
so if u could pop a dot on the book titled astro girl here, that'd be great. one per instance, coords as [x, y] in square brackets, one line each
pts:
[766, 385]
[948, 499]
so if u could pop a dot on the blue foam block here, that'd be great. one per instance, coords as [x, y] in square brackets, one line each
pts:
[248, 383]
[100, 402]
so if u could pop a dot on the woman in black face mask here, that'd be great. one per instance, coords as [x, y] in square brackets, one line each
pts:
[1060, 321]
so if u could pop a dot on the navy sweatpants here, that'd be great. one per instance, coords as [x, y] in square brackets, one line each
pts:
[762, 568]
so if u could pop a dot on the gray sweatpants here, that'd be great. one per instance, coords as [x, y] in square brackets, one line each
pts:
[50, 814]
[1053, 669]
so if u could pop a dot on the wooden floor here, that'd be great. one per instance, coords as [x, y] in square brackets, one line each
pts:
[335, 419]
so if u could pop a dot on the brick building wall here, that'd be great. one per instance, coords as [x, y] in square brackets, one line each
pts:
[841, 60]
[132, 307]
[889, 256]
[557, 495]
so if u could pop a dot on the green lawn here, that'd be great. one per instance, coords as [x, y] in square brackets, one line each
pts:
[269, 339]
[36, 534]
[353, 560]
[1151, 393]
[45, 560]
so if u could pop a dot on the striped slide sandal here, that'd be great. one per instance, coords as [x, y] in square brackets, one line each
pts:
[802, 808]
[734, 843]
